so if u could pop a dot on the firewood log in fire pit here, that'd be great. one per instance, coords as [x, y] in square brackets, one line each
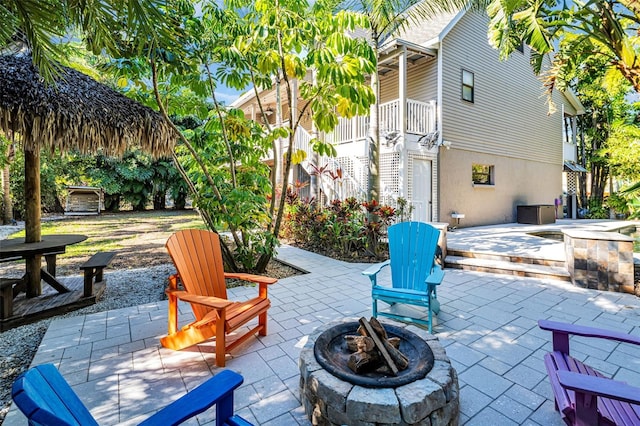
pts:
[374, 350]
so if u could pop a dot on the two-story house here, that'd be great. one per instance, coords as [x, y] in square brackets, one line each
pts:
[462, 131]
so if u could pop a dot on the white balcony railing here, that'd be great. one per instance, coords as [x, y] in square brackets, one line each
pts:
[420, 119]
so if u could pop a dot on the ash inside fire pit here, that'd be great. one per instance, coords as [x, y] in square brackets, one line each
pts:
[331, 352]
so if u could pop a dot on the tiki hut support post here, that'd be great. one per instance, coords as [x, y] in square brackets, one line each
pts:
[32, 216]
[76, 113]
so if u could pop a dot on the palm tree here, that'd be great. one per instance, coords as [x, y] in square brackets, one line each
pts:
[597, 27]
[40, 26]
[387, 18]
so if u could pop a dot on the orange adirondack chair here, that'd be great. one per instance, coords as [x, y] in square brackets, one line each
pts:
[198, 259]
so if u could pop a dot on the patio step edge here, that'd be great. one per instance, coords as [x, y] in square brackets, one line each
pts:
[508, 268]
[509, 258]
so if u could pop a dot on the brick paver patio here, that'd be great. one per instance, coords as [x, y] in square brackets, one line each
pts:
[487, 324]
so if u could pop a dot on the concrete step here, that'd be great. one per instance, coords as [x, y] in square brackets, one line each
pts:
[512, 258]
[507, 267]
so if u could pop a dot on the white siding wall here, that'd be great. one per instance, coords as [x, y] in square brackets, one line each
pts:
[422, 84]
[508, 126]
[509, 115]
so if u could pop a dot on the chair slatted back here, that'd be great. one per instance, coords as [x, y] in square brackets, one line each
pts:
[198, 259]
[46, 398]
[412, 249]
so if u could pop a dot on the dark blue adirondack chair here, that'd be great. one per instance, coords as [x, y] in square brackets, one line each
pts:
[414, 272]
[45, 397]
[582, 394]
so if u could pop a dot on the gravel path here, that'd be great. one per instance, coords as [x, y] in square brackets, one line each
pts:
[125, 288]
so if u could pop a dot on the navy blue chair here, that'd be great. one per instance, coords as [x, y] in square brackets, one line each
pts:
[45, 397]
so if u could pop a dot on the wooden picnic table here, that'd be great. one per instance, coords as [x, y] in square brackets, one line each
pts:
[49, 246]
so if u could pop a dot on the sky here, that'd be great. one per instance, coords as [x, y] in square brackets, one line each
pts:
[227, 95]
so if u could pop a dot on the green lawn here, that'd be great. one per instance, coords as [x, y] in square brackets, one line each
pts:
[137, 237]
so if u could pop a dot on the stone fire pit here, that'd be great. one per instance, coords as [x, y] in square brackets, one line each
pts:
[330, 400]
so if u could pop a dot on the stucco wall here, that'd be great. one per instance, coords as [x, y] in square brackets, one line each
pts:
[517, 182]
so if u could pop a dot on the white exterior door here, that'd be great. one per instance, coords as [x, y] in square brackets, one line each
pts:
[421, 190]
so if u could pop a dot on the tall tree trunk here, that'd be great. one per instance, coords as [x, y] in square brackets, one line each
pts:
[599, 176]
[7, 214]
[374, 140]
[159, 200]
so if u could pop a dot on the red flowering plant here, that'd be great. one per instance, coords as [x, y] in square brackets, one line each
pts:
[386, 214]
[341, 228]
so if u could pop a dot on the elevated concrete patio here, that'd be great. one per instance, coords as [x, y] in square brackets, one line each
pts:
[513, 249]
[487, 325]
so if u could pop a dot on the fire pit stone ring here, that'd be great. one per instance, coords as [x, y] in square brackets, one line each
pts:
[329, 400]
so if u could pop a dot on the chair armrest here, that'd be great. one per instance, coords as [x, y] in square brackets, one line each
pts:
[212, 302]
[218, 389]
[174, 280]
[372, 271]
[579, 330]
[251, 278]
[599, 386]
[436, 276]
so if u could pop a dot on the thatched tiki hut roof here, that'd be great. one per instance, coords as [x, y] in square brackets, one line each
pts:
[75, 113]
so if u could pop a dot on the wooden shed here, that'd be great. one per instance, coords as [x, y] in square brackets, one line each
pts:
[84, 200]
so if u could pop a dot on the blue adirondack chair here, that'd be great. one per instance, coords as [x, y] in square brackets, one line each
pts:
[414, 272]
[45, 397]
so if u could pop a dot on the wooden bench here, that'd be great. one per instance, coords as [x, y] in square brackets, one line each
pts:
[582, 394]
[45, 397]
[93, 269]
[7, 294]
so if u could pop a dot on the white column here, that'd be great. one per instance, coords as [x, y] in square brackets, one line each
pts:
[402, 117]
[402, 91]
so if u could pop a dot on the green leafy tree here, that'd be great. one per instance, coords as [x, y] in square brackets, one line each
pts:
[633, 194]
[596, 27]
[167, 181]
[121, 28]
[609, 130]
[265, 44]
[126, 179]
[7, 154]
[53, 166]
[134, 178]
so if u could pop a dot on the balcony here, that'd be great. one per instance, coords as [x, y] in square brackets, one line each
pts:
[420, 120]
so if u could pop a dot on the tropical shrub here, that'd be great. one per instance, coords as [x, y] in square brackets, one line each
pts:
[597, 210]
[618, 204]
[342, 228]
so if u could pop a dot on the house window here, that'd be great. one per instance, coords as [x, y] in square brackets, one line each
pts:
[482, 174]
[467, 85]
